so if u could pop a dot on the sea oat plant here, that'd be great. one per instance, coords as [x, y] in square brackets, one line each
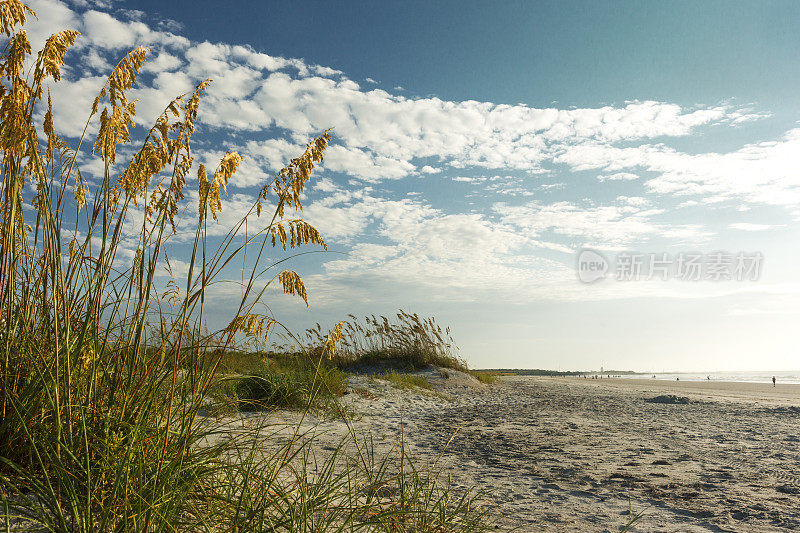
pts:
[99, 385]
[409, 340]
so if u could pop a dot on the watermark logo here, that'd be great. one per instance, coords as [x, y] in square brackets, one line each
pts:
[591, 266]
[685, 266]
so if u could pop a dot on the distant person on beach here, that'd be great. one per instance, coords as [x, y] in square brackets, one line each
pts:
[773, 381]
[708, 378]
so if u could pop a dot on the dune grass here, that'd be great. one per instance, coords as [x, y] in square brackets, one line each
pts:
[104, 369]
[256, 381]
[404, 381]
[408, 343]
[291, 487]
[484, 376]
[388, 351]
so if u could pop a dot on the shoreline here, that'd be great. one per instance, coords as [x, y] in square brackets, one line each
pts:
[745, 391]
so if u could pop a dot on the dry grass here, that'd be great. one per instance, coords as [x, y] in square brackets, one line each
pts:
[407, 343]
[365, 393]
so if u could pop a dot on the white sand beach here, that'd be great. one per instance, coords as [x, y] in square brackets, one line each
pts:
[572, 454]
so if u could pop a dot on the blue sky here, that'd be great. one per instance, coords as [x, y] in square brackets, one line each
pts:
[480, 146]
[574, 53]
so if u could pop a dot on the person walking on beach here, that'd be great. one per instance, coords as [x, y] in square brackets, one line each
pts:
[773, 381]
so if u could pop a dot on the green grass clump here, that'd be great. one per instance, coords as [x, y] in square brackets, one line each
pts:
[485, 376]
[237, 361]
[289, 382]
[255, 381]
[404, 381]
[271, 389]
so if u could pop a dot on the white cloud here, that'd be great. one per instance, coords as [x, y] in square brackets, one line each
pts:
[325, 185]
[273, 153]
[427, 169]
[747, 226]
[98, 62]
[381, 136]
[163, 62]
[633, 201]
[551, 186]
[72, 103]
[339, 223]
[763, 173]
[619, 176]
[609, 227]
[51, 16]
[325, 71]
[367, 166]
[108, 32]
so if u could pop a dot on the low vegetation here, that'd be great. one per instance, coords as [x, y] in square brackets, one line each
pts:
[485, 376]
[358, 491]
[407, 343]
[404, 381]
[387, 350]
[254, 381]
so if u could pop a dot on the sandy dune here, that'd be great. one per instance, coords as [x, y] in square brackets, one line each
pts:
[569, 454]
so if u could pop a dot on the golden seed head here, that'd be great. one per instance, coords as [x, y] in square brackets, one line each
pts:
[49, 129]
[80, 193]
[137, 260]
[332, 342]
[292, 284]
[210, 199]
[254, 325]
[114, 129]
[123, 77]
[17, 49]
[51, 57]
[13, 13]
[291, 180]
[300, 233]
[227, 167]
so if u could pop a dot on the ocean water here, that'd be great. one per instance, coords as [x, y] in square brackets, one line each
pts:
[742, 377]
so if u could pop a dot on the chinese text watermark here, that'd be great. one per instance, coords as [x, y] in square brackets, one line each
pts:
[684, 266]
